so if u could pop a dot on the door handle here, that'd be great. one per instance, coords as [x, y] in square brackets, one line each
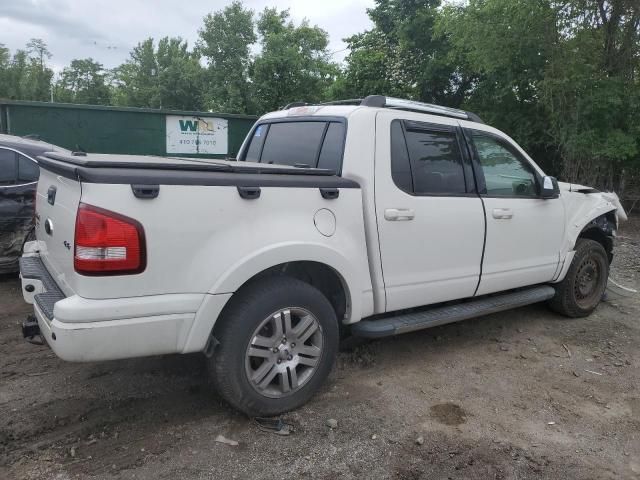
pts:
[502, 213]
[398, 214]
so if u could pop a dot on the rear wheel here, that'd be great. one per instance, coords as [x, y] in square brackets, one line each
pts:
[581, 290]
[278, 341]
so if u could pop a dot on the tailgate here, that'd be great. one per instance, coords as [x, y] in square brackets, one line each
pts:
[56, 207]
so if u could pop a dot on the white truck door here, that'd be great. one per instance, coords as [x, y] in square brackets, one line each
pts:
[524, 231]
[430, 222]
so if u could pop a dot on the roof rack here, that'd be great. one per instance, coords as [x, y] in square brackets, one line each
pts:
[381, 101]
[349, 101]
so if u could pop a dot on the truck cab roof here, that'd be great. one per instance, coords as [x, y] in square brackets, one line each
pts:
[347, 107]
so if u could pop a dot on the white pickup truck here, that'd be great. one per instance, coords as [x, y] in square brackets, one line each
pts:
[372, 218]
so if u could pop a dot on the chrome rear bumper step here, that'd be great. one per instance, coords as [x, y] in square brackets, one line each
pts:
[432, 317]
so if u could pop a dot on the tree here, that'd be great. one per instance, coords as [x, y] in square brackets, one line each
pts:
[25, 75]
[370, 68]
[17, 88]
[167, 77]
[505, 45]
[136, 80]
[592, 91]
[83, 82]
[293, 64]
[180, 75]
[5, 62]
[225, 42]
[38, 75]
[402, 55]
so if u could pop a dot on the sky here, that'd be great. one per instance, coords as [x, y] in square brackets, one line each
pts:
[107, 30]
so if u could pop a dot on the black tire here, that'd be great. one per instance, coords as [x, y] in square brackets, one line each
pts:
[580, 292]
[235, 331]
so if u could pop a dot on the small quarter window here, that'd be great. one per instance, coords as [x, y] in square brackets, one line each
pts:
[400, 166]
[331, 152]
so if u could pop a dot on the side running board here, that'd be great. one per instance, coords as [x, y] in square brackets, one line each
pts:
[432, 317]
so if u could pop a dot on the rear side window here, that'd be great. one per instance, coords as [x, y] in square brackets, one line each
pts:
[8, 166]
[304, 143]
[28, 170]
[434, 159]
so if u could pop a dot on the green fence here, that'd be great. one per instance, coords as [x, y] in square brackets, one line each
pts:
[127, 130]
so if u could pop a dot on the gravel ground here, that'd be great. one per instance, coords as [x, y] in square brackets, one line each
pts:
[521, 394]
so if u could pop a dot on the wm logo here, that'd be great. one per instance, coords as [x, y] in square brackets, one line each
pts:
[188, 125]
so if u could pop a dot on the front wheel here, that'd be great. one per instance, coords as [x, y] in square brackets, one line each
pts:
[278, 340]
[579, 293]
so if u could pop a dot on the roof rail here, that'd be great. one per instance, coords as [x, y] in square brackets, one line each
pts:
[294, 104]
[381, 101]
[348, 101]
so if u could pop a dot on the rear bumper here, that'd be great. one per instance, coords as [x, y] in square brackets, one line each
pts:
[81, 330]
[115, 339]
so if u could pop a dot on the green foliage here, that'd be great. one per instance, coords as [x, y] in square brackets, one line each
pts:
[136, 81]
[591, 90]
[38, 76]
[225, 43]
[83, 81]
[402, 56]
[25, 75]
[293, 64]
[505, 45]
[560, 76]
[180, 75]
[169, 76]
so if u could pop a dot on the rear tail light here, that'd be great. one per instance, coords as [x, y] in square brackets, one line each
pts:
[107, 243]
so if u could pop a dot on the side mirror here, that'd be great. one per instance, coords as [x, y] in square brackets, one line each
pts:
[550, 187]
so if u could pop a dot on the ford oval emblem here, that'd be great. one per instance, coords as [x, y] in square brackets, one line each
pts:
[48, 226]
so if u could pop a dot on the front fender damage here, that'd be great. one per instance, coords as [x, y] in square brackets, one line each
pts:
[589, 214]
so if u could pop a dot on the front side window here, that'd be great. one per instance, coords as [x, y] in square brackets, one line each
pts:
[315, 144]
[506, 173]
[7, 167]
[430, 162]
[28, 170]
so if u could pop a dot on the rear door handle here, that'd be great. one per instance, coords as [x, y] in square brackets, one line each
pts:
[398, 214]
[502, 213]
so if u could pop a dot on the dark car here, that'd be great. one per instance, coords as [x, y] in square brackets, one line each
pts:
[19, 174]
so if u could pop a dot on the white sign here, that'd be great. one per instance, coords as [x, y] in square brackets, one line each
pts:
[204, 135]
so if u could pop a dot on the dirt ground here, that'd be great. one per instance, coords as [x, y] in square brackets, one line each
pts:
[522, 394]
